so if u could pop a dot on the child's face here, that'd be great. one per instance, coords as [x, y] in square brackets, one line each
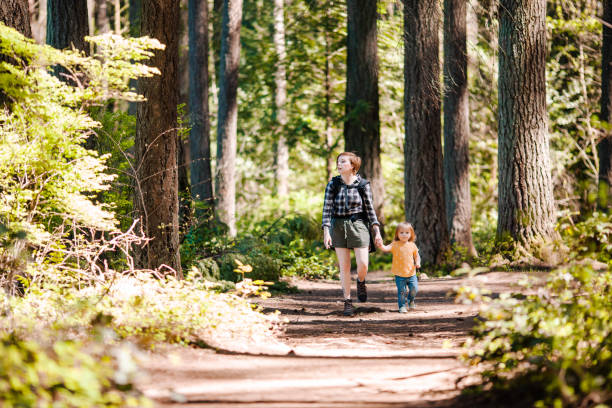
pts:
[344, 165]
[404, 234]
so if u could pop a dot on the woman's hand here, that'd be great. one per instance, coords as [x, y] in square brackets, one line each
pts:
[327, 241]
[378, 241]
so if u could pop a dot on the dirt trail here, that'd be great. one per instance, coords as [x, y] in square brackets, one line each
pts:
[378, 358]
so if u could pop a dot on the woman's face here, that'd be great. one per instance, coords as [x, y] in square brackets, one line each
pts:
[344, 165]
[404, 234]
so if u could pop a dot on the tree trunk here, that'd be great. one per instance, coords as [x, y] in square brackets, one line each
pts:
[456, 127]
[228, 114]
[330, 160]
[526, 205]
[67, 24]
[135, 11]
[424, 185]
[217, 17]
[362, 125]
[604, 147]
[16, 14]
[156, 201]
[199, 138]
[280, 99]
[102, 21]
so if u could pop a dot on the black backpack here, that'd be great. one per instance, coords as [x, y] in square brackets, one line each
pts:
[337, 183]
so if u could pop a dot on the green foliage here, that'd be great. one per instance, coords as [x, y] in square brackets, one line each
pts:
[285, 246]
[590, 238]
[49, 180]
[65, 374]
[554, 345]
[573, 75]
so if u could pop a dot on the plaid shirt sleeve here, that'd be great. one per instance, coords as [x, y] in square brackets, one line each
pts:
[328, 205]
[369, 205]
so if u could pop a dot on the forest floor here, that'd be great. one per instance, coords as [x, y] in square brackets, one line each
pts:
[375, 359]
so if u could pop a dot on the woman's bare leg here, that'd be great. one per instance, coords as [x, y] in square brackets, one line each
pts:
[344, 262]
[361, 257]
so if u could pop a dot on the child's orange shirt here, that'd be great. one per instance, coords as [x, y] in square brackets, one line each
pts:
[404, 258]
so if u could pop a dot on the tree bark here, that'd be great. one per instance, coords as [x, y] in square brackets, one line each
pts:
[228, 114]
[67, 24]
[424, 185]
[604, 147]
[16, 14]
[280, 99]
[199, 138]
[156, 201]
[362, 125]
[526, 205]
[456, 127]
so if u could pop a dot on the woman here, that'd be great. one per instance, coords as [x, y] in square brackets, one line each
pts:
[347, 210]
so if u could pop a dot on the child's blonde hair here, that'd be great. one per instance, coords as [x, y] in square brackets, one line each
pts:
[409, 227]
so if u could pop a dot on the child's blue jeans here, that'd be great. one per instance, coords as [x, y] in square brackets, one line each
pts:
[407, 289]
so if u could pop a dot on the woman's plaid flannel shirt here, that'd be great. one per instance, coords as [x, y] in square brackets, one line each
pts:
[347, 202]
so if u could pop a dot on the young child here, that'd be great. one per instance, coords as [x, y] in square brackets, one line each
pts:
[405, 261]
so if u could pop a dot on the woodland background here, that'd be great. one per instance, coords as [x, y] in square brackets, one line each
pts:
[170, 146]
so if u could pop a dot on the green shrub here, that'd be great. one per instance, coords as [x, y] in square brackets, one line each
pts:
[591, 237]
[66, 374]
[558, 341]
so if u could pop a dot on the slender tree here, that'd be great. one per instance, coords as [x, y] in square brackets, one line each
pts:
[362, 125]
[456, 126]
[156, 198]
[526, 206]
[424, 185]
[280, 99]
[135, 14]
[101, 13]
[225, 183]
[604, 147]
[199, 138]
[16, 14]
[67, 24]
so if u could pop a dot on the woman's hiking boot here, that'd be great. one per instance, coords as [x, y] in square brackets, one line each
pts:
[362, 292]
[349, 310]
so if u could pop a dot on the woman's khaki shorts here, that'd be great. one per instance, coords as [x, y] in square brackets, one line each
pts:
[349, 234]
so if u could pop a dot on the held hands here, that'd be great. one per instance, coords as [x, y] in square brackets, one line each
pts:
[378, 241]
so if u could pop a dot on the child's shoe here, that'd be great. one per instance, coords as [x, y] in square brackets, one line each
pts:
[412, 305]
[403, 309]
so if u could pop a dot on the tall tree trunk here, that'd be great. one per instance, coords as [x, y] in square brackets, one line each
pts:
[67, 24]
[102, 21]
[362, 125]
[280, 99]
[526, 205]
[329, 131]
[156, 200]
[182, 142]
[604, 148]
[456, 127]
[217, 17]
[135, 12]
[38, 20]
[16, 14]
[199, 138]
[228, 114]
[424, 185]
